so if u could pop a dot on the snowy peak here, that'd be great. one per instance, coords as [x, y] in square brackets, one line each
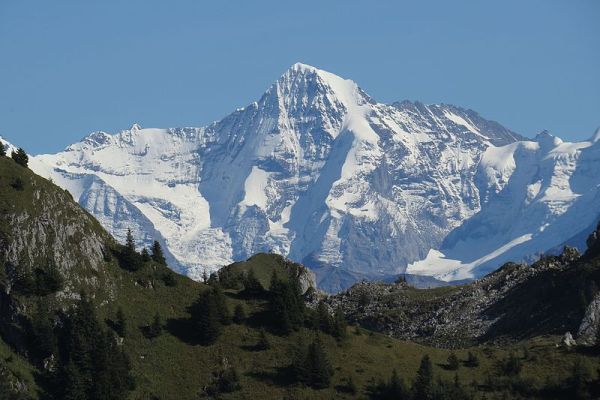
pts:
[307, 92]
[451, 119]
[596, 136]
[9, 147]
[547, 140]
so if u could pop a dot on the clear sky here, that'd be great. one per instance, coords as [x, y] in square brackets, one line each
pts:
[68, 68]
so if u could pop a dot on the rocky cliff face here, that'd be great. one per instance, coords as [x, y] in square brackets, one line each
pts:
[588, 331]
[515, 302]
[41, 226]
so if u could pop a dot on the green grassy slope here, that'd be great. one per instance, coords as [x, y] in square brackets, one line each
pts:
[172, 366]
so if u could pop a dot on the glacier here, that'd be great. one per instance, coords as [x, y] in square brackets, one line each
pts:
[320, 172]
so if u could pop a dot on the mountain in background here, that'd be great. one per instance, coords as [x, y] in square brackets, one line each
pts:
[318, 171]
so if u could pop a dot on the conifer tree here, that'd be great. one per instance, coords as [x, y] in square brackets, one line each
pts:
[43, 338]
[2, 150]
[120, 323]
[239, 315]
[580, 378]
[169, 279]
[472, 360]
[157, 253]
[298, 357]
[209, 313]
[325, 324]
[252, 286]
[317, 368]
[145, 255]
[155, 328]
[351, 386]
[20, 157]
[129, 241]
[221, 302]
[130, 258]
[91, 366]
[423, 386]
[263, 341]
[453, 363]
[511, 366]
[396, 388]
[339, 324]
[286, 304]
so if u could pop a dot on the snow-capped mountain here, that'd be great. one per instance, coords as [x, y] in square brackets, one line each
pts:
[536, 196]
[315, 170]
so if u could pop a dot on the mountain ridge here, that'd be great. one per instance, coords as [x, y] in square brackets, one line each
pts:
[315, 170]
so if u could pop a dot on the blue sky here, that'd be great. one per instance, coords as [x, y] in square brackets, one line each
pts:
[68, 68]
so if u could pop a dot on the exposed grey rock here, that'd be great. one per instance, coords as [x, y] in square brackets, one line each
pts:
[588, 330]
[451, 316]
[307, 279]
[568, 340]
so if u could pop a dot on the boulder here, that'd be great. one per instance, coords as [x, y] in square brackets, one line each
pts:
[568, 340]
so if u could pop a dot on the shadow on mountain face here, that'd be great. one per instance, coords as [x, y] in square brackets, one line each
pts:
[554, 302]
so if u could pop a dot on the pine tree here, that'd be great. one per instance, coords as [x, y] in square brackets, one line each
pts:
[145, 255]
[221, 302]
[157, 253]
[423, 386]
[351, 385]
[155, 328]
[286, 304]
[453, 363]
[580, 378]
[252, 286]
[91, 366]
[298, 357]
[73, 385]
[225, 379]
[396, 389]
[472, 360]
[263, 341]
[209, 313]
[2, 150]
[325, 324]
[18, 184]
[239, 315]
[511, 366]
[130, 259]
[317, 366]
[339, 324]
[169, 279]
[20, 157]
[120, 323]
[129, 241]
[43, 338]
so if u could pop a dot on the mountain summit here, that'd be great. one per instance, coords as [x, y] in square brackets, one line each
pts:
[315, 170]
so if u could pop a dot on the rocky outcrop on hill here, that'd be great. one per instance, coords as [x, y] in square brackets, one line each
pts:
[49, 229]
[589, 328]
[508, 304]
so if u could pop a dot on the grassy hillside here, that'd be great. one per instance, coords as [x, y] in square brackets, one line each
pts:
[174, 365]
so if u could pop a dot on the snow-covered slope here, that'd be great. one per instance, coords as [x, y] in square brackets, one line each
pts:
[537, 196]
[315, 170]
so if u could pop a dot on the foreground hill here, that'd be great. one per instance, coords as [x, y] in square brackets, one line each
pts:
[57, 261]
